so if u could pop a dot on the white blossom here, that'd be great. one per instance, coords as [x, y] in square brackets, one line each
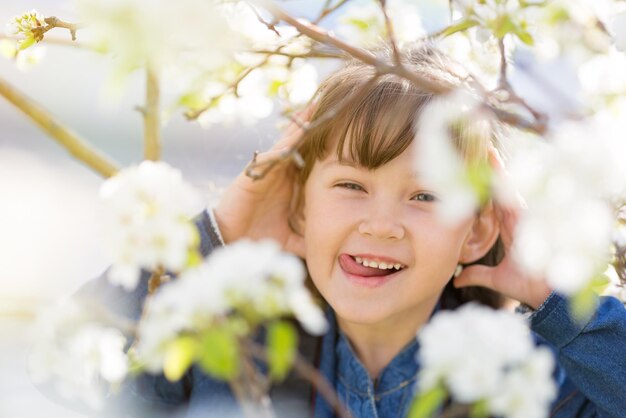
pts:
[565, 234]
[481, 354]
[159, 33]
[25, 26]
[362, 23]
[149, 210]
[256, 276]
[82, 357]
[482, 62]
[437, 160]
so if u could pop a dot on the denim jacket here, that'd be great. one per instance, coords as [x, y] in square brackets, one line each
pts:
[590, 373]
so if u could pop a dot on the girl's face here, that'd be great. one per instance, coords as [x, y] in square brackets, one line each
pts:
[387, 216]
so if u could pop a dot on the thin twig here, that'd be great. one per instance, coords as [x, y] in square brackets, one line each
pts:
[310, 373]
[327, 10]
[74, 144]
[152, 127]
[270, 25]
[251, 387]
[311, 54]
[503, 83]
[232, 88]
[54, 22]
[360, 54]
[390, 33]
[257, 171]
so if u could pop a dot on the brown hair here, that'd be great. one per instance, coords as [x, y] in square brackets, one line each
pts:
[371, 120]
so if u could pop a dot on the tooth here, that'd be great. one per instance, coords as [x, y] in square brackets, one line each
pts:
[359, 260]
[366, 263]
[382, 265]
[397, 266]
[373, 264]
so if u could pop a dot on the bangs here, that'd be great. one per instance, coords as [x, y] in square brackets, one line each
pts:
[379, 126]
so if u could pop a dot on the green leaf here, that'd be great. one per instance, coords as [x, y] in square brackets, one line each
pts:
[503, 25]
[524, 36]
[179, 355]
[459, 27]
[479, 178]
[25, 43]
[191, 100]
[480, 409]
[220, 353]
[274, 87]
[359, 23]
[425, 404]
[583, 303]
[282, 341]
[194, 258]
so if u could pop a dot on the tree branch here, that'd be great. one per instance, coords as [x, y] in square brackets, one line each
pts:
[310, 373]
[257, 171]
[320, 35]
[74, 144]
[152, 127]
[54, 22]
[390, 33]
[503, 83]
[327, 10]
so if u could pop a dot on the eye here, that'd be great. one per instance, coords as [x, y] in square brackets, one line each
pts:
[424, 197]
[350, 186]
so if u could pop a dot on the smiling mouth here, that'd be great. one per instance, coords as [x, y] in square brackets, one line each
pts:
[357, 266]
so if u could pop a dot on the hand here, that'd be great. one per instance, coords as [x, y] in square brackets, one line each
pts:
[260, 208]
[506, 278]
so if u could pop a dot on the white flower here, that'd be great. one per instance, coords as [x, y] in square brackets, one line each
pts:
[256, 276]
[440, 164]
[81, 356]
[565, 234]
[150, 207]
[362, 23]
[482, 61]
[26, 25]
[481, 354]
[159, 33]
[528, 390]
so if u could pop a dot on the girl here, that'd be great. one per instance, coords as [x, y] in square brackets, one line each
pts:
[365, 222]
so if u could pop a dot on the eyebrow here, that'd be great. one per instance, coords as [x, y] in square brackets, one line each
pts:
[417, 175]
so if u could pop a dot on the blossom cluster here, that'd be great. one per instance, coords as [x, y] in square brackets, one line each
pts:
[569, 184]
[255, 280]
[363, 23]
[243, 90]
[26, 26]
[81, 356]
[482, 355]
[149, 221]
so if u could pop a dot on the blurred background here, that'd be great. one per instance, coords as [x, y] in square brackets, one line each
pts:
[49, 209]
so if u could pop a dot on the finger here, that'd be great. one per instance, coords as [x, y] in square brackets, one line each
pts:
[508, 223]
[477, 275]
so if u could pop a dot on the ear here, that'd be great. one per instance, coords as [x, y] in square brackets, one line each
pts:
[296, 210]
[483, 235]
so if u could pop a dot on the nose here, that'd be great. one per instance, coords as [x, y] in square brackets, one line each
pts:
[382, 223]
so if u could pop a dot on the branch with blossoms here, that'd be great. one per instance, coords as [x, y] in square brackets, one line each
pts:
[152, 233]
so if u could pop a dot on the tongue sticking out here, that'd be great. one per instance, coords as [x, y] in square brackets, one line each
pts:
[348, 264]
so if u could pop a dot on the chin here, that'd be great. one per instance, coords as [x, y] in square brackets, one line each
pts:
[359, 312]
